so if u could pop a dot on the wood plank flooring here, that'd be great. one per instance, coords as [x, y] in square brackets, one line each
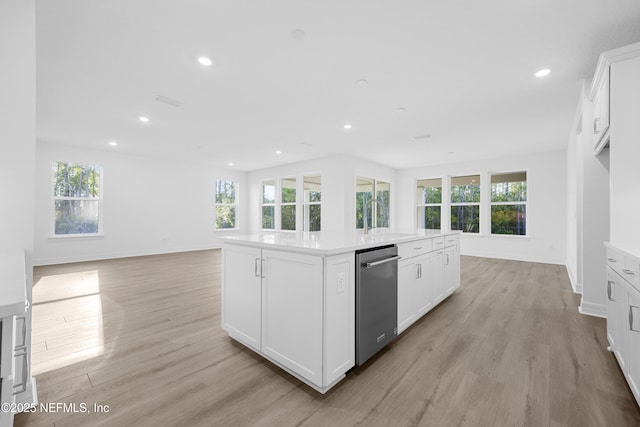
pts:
[142, 335]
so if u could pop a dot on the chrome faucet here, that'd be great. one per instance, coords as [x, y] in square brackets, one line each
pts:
[365, 211]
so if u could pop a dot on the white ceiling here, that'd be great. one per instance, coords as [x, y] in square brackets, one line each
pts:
[462, 69]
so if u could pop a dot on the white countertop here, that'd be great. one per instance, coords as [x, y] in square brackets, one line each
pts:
[13, 298]
[327, 242]
[631, 249]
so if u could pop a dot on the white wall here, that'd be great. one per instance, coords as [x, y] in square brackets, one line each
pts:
[18, 139]
[593, 224]
[150, 206]
[338, 188]
[573, 269]
[625, 151]
[17, 123]
[546, 209]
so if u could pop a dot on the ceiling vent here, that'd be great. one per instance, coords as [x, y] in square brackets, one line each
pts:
[422, 138]
[168, 101]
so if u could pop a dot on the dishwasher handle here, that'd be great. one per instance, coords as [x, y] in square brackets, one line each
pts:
[382, 261]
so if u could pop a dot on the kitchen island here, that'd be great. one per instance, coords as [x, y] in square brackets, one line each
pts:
[291, 296]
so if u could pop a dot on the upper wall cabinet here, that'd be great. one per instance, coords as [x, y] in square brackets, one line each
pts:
[601, 113]
[602, 96]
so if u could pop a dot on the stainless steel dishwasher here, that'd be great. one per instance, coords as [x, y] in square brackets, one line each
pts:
[376, 300]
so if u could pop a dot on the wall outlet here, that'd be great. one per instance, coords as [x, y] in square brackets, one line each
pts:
[341, 280]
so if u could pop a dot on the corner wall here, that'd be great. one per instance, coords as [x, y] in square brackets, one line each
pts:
[150, 206]
[338, 188]
[546, 209]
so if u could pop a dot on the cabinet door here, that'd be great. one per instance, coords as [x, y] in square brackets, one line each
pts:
[407, 275]
[241, 294]
[622, 324]
[612, 317]
[292, 317]
[634, 341]
[424, 285]
[450, 270]
[439, 287]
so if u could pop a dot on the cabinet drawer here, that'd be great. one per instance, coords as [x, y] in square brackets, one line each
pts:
[438, 243]
[625, 266]
[452, 240]
[415, 248]
[615, 260]
[631, 272]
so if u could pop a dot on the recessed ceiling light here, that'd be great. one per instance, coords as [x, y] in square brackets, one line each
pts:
[278, 152]
[143, 119]
[347, 126]
[362, 82]
[400, 110]
[203, 60]
[298, 34]
[230, 163]
[543, 72]
[113, 143]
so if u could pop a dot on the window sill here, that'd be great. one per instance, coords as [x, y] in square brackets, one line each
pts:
[77, 236]
[218, 230]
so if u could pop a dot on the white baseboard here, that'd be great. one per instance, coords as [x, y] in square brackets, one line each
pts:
[575, 285]
[113, 255]
[515, 257]
[591, 309]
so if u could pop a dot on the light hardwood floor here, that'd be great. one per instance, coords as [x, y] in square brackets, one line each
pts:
[142, 335]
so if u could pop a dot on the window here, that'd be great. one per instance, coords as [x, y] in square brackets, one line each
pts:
[226, 204]
[269, 205]
[288, 204]
[373, 210]
[311, 208]
[77, 199]
[509, 203]
[298, 205]
[465, 203]
[429, 199]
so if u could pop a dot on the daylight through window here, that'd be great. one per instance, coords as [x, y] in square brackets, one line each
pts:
[77, 199]
[465, 203]
[226, 205]
[429, 203]
[509, 203]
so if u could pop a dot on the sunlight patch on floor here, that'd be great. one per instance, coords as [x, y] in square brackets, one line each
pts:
[67, 320]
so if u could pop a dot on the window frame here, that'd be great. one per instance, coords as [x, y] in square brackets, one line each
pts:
[299, 204]
[424, 205]
[477, 204]
[276, 216]
[524, 203]
[306, 206]
[235, 205]
[282, 204]
[374, 213]
[54, 198]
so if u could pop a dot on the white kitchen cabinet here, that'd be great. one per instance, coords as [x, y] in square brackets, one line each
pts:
[292, 312]
[612, 309]
[633, 375]
[451, 264]
[424, 285]
[601, 113]
[415, 293]
[242, 302]
[296, 310]
[439, 285]
[623, 313]
[407, 276]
